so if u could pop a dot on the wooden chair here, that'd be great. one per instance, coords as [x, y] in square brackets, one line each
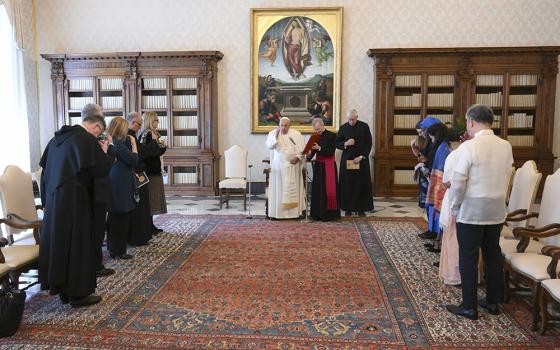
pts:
[509, 184]
[523, 191]
[266, 172]
[532, 267]
[236, 175]
[550, 290]
[4, 275]
[19, 213]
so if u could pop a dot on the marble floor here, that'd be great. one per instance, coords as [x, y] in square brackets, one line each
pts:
[209, 205]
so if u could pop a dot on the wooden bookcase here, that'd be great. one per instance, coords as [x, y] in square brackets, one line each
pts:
[410, 84]
[181, 87]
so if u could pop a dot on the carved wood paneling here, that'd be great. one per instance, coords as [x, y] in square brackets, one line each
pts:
[132, 66]
[465, 64]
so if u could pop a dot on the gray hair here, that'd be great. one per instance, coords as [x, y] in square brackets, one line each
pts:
[317, 121]
[481, 114]
[286, 118]
[351, 112]
[92, 113]
[130, 116]
[90, 110]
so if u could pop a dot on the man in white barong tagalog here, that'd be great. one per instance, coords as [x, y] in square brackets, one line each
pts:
[286, 193]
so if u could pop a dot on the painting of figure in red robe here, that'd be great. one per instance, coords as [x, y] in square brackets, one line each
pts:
[296, 70]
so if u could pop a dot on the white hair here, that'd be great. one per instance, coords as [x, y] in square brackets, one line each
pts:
[286, 118]
[351, 112]
[130, 116]
[317, 121]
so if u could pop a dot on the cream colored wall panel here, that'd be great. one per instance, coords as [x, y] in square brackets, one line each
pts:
[146, 25]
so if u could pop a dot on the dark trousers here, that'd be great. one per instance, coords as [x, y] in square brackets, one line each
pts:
[119, 224]
[473, 238]
[99, 225]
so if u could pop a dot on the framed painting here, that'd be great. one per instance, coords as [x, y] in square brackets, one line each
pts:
[295, 67]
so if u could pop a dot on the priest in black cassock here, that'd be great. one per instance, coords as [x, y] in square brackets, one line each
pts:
[73, 158]
[324, 200]
[355, 192]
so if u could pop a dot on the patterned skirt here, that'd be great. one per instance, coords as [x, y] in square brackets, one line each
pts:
[157, 195]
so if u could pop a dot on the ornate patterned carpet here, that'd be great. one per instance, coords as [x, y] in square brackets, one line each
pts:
[232, 283]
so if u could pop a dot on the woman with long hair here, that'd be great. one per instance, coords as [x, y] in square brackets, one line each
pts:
[425, 153]
[123, 187]
[149, 135]
[438, 133]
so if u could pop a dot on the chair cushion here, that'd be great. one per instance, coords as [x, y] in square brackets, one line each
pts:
[507, 232]
[532, 265]
[4, 269]
[233, 183]
[509, 247]
[18, 256]
[553, 288]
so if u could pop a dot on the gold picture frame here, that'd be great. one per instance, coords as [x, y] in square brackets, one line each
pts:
[296, 59]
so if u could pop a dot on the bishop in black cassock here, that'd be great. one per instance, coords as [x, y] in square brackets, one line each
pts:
[355, 190]
[71, 161]
[324, 199]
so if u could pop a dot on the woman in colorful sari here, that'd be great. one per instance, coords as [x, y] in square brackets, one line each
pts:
[425, 156]
[438, 133]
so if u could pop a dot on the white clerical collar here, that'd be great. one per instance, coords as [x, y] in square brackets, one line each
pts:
[484, 132]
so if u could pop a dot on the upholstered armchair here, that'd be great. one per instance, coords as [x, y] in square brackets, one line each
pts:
[19, 213]
[523, 191]
[550, 289]
[236, 175]
[533, 267]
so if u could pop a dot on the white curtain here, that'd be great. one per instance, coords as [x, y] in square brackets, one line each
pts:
[14, 142]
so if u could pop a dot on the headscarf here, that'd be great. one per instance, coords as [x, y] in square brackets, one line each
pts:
[429, 121]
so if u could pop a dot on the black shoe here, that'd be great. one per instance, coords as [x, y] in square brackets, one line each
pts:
[457, 285]
[434, 250]
[348, 213]
[123, 256]
[427, 235]
[361, 213]
[64, 298]
[436, 264]
[428, 245]
[459, 310]
[156, 230]
[104, 272]
[85, 301]
[492, 309]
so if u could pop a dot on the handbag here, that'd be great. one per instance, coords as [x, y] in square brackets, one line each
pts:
[12, 303]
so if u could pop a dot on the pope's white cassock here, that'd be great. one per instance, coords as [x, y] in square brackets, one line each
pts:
[286, 194]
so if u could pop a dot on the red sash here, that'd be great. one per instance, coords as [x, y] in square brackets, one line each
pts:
[330, 181]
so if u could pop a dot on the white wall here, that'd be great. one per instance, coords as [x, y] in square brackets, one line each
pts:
[71, 26]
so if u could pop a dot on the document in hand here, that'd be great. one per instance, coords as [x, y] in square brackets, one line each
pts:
[312, 140]
[350, 165]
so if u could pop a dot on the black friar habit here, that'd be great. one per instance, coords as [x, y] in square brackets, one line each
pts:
[71, 161]
[324, 199]
[141, 217]
[354, 187]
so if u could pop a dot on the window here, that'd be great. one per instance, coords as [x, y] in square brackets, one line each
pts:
[14, 139]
